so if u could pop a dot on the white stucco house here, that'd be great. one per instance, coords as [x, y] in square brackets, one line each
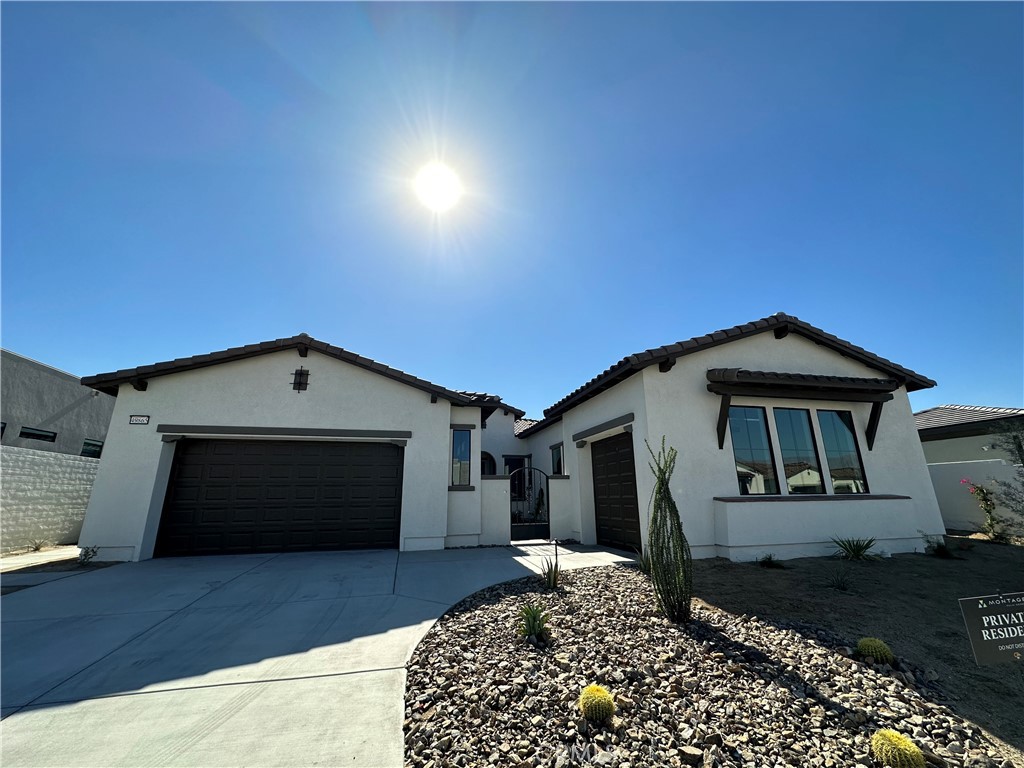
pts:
[787, 437]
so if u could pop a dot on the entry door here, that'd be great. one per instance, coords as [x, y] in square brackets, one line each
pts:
[616, 512]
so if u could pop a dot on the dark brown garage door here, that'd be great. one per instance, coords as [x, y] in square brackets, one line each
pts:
[236, 496]
[615, 505]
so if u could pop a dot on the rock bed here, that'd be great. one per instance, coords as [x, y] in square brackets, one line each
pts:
[724, 690]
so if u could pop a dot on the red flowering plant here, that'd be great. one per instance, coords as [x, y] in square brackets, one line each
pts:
[994, 525]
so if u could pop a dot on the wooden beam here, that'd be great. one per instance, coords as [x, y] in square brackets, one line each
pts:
[303, 350]
[782, 331]
[140, 384]
[797, 393]
[873, 419]
[723, 419]
[666, 365]
[433, 398]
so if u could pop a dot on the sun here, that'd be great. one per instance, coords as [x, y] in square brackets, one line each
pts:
[438, 187]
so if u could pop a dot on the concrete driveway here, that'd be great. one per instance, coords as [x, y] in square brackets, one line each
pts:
[290, 659]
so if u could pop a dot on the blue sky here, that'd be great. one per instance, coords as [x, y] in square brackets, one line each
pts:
[181, 178]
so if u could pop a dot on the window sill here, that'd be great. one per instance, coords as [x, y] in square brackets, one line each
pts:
[810, 497]
[461, 488]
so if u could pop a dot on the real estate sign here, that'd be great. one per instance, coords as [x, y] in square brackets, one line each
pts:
[995, 624]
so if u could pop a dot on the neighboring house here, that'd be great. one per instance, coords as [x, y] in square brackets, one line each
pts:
[296, 444]
[958, 442]
[52, 432]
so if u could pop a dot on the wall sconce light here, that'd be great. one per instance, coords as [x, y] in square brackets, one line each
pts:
[300, 381]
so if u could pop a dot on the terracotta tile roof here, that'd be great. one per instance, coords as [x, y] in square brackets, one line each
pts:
[947, 415]
[522, 425]
[780, 323]
[109, 382]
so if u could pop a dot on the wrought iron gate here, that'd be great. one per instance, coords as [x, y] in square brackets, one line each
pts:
[528, 499]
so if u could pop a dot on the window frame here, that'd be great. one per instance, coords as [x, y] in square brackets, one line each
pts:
[814, 445]
[771, 451]
[45, 435]
[557, 468]
[456, 482]
[856, 447]
[90, 442]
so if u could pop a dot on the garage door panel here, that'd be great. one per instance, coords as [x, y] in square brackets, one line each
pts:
[234, 496]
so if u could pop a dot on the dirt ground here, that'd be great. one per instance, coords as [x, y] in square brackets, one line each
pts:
[910, 601]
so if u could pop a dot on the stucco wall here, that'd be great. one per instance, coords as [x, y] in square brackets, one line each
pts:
[680, 407]
[43, 496]
[496, 523]
[499, 439]
[464, 506]
[33, 394]
[963, 449]
[959, 507]
[130, 485]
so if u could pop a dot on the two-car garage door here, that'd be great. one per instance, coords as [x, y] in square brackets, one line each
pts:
[237, 496]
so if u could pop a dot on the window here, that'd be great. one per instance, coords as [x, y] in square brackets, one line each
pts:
[38, 434]
[488, 466]
[92, 448]
[841, 452]
[755, 465]
[3, 428]
[460, 456]
[799, 453]
[556, 459]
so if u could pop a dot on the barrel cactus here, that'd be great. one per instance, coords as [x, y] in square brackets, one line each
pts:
[896, 750]
[876, 649]
[596, 704]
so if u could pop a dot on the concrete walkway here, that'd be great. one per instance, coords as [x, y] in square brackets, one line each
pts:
[291, 659]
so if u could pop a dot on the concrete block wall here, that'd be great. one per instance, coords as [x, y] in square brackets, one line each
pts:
[43, 496]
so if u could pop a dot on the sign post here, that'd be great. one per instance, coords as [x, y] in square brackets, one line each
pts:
[995, 624]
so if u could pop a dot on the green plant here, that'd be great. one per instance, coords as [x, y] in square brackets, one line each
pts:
[596, 704]
[37, 544]
[533, 623]
[768, 560]
[854, 549]
[995, 526]
[643, 561]
[876, 649]
[86, 554]
[671, 562]
[839, 579]
[936, 546]
[896, 750]
[550, 573]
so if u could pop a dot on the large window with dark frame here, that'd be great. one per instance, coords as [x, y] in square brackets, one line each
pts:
[38, 434]
[556, 459]
[842, 454]
[460, 456]
[800, 462]
[752, 449]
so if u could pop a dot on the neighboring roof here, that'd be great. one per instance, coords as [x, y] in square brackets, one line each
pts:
[779, 323]
[109, 382]
[522, 425]
[962, 420]
[49, 368]
[493, 401]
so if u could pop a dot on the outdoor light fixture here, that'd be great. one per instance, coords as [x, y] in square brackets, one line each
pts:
[300, 381]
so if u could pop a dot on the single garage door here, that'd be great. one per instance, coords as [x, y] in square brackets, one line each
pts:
[615, 506]
[237, 496]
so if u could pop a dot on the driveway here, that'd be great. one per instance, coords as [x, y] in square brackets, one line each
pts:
[290, 659]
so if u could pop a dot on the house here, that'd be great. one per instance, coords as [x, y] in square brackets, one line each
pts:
[788, 436]
[958, 442]
[52, 432]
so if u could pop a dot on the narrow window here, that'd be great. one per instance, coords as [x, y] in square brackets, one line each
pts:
[92, 448]
[556, 460]
[3, 428]
[799, 453]
[460, 457]
[755, 465]
[842, 455]
[38, 434]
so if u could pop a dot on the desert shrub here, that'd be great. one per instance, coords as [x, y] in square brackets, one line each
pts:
[643, 561]
[550, 573]
[37, 544]
[936, 546]
[854, 549]
[86, 554]
[896, 750]
[839, 579]
[768, 560]
[596, 704]
[671, 562]
[996, 527]
[533, 623]
[876, 649]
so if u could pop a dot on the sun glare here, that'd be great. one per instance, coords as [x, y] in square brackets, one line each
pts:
[438, 187]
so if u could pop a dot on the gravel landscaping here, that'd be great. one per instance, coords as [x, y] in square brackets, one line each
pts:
[724, 690]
